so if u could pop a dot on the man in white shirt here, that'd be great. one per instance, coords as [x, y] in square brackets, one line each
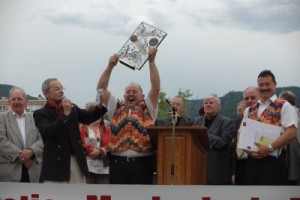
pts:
[130, 145]
[263, 169]
[21, 145]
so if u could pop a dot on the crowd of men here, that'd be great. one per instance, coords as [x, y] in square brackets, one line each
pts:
[61, 143]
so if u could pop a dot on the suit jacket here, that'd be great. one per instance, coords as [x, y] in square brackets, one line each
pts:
[168, 122]
[11, 143]
[61, 138]
[294, 155]
[220, 135]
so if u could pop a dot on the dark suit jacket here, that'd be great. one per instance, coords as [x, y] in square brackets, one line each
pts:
[220, 134]
[61, 139]
[168, 122]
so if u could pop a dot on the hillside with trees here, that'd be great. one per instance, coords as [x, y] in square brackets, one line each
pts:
[4, 90]
[228, 102]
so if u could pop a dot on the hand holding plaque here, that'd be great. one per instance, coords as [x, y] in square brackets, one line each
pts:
[134, 52]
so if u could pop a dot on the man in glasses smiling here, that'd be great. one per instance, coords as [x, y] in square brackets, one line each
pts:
[64, 160]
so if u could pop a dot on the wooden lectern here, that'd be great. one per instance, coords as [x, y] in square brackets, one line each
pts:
[190, 163]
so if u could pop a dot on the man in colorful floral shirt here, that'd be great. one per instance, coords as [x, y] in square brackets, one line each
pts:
[264, 169]
[130, 145]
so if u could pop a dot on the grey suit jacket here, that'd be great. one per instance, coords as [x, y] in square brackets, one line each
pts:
[11, 143]
[220, 135]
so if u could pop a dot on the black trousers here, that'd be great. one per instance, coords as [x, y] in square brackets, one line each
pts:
[127, 170]
[241, 172]
[267, 171]
[25, 176]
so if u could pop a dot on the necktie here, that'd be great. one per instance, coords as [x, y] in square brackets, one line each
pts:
[239, 152]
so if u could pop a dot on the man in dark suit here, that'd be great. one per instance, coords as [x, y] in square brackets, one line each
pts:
[21, 146]
[63, 159]
[250, 97]
[294, 145]
[220, 130]
[178, 102]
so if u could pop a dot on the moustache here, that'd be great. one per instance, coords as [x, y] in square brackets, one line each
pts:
[265, 90]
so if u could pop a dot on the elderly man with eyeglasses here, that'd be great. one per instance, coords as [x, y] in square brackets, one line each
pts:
[63, 159]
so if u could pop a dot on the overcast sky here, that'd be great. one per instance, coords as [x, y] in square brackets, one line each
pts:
[212, 46]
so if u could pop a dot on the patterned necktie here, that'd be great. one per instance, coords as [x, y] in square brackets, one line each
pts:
[239, 152]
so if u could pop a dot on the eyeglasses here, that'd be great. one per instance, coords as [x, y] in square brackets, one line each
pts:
[250, 98]
[56, 89]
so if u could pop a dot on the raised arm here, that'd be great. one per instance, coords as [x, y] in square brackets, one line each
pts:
[104, 78]
[154, 78]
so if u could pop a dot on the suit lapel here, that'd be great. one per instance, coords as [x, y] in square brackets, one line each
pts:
[28, 124]
[215, 123]
[15, 127]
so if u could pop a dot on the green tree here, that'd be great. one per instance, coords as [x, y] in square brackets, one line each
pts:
[163, 107]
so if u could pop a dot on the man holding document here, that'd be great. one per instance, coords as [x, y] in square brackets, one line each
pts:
[267, 127]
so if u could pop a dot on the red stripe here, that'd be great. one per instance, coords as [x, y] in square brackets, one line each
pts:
[105, 197]
[91, 197]
[35, 196]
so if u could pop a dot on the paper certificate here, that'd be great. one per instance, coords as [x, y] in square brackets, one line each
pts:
[253, 131]
[92, 142]
[134, 52]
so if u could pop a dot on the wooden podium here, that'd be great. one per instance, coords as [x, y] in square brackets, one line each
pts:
[190, 160]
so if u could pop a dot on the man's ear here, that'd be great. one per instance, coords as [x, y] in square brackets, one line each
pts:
[45, 94]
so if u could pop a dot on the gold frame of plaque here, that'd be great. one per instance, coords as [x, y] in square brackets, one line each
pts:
[134, 53]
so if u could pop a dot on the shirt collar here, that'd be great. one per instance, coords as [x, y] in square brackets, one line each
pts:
[19, 116]
[272, 99]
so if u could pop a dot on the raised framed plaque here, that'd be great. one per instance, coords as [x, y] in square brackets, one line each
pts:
[134, 53]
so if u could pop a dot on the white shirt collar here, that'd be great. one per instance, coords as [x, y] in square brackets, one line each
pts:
[20, 116]
[272, 99]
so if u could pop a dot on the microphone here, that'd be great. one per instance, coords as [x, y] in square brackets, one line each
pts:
[173, 108]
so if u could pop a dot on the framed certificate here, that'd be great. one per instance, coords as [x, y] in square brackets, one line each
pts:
[134, 52]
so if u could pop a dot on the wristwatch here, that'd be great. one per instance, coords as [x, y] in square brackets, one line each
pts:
[270, 148]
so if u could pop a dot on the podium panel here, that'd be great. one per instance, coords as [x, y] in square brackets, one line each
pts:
[190, 155]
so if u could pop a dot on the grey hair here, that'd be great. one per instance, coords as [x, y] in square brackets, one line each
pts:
[24, 94]
[250, 88]
[213, 96]
[289, 96]
[181, 97]
[46, 84]
[133, 83]
[90, 106]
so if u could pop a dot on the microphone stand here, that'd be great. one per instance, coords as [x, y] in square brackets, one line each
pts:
[173, 144]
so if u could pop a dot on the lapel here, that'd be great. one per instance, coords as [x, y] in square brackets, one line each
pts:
[202, 120]
[15, 127]
[215, 123]
[51, 112]
[28, 125]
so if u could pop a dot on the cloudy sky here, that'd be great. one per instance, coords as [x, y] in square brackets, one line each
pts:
[212, 46]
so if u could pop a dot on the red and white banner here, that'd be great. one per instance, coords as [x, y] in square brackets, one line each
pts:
[48, 191]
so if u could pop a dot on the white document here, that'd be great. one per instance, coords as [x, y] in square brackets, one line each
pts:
[92, 142]
[253, 131]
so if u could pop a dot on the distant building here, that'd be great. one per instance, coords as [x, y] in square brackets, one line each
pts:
[31, 106]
